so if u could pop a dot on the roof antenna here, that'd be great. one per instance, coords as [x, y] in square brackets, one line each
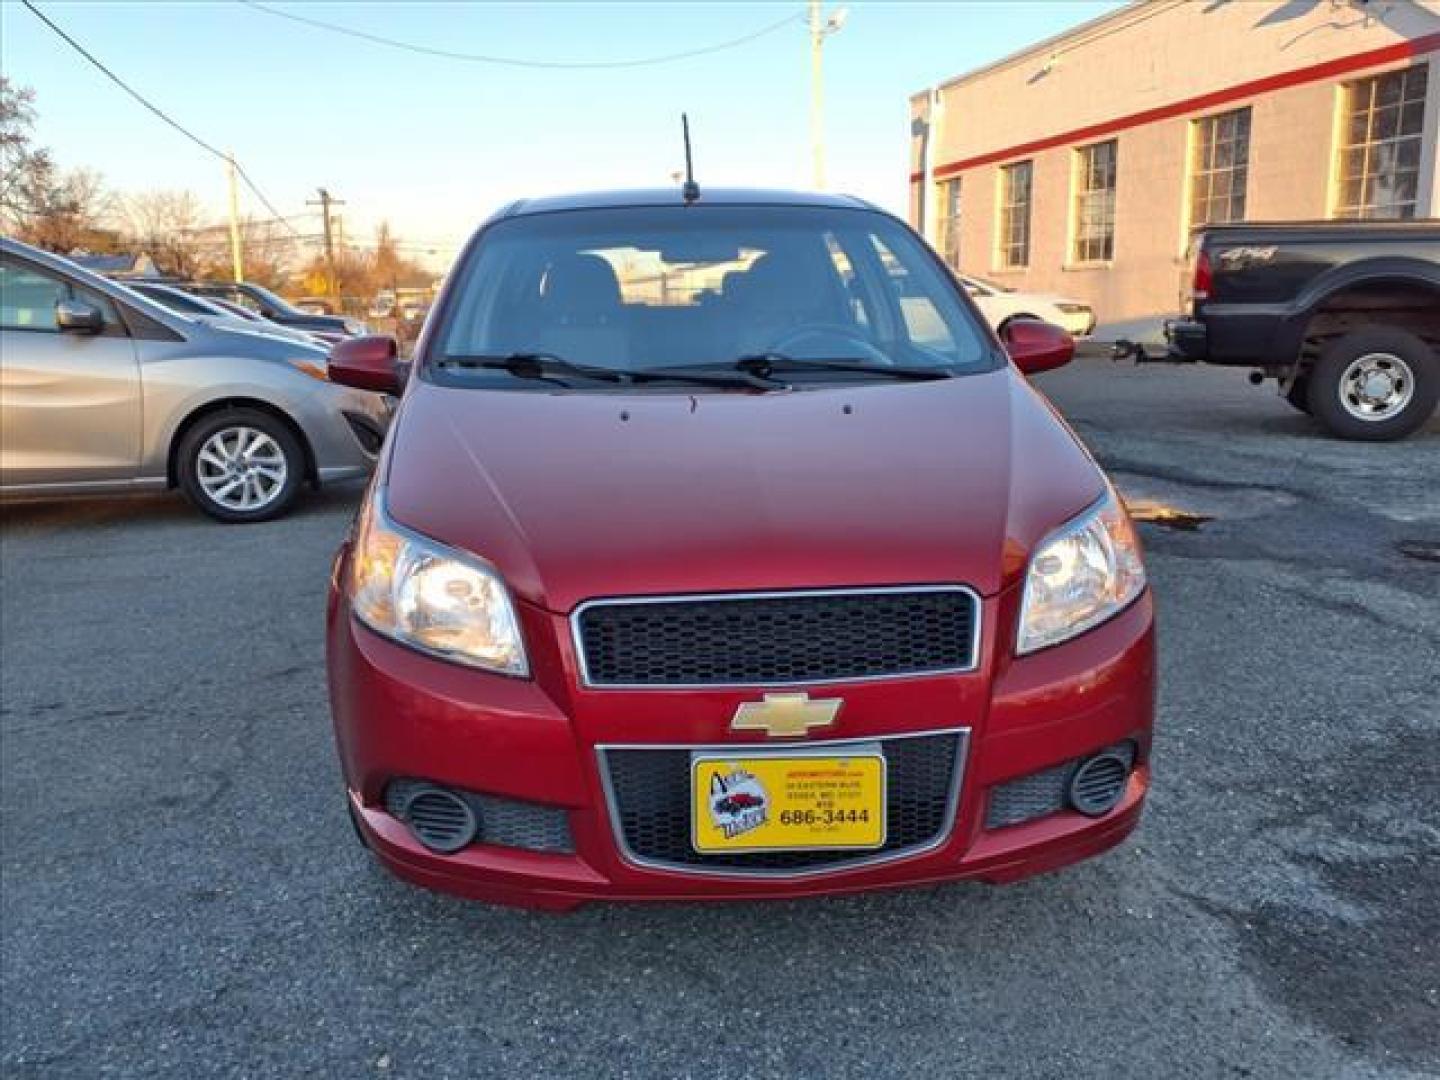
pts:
[691, 191]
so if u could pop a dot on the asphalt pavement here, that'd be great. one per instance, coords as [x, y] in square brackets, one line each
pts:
[182, 895]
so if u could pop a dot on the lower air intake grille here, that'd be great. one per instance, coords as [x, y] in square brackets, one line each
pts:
[777, 638]
[366, 433]
[1041, 793]
[507, 822]
[651, 795]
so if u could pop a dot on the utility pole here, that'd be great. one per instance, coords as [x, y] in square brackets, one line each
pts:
[325, 202]
[235, 260]
[820, 29]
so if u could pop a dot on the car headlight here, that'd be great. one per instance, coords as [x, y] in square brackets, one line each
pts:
[356, 328]
[1082, 574]
[431, 597]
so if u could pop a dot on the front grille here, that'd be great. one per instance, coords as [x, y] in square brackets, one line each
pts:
[777, 638]
[650, 802]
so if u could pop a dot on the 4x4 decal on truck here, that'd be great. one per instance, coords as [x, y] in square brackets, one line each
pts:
[1240, 257]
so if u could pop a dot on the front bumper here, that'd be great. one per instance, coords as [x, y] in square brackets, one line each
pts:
[400, 714]
[345, 428]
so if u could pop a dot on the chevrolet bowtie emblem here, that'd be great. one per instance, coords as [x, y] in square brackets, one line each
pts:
[785, 716]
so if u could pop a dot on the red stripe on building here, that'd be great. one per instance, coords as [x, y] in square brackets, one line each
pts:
[1387, 54]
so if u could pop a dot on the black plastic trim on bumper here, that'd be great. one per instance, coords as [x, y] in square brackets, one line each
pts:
[366, 433]
[1187, 340]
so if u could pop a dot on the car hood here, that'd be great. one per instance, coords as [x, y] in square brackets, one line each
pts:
[247, 337]
[580, 495]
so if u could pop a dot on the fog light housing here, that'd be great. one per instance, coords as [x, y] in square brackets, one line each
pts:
[439, 819]
[1099, 783]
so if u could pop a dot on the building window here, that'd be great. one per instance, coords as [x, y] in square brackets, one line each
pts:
[1094, 203]
[947, 224]
[1380, 148]
[1220, 168]
[1015, 215]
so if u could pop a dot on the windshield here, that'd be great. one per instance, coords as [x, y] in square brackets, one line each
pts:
[279, 303]
[236, 309]
[647, 288]
[179, 302]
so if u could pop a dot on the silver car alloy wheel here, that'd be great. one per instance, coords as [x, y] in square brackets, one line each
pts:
[1376, 386]
[241, 468]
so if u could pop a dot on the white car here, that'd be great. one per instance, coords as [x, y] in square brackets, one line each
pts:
[999, 305]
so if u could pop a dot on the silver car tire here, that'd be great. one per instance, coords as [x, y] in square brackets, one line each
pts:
[241, 465]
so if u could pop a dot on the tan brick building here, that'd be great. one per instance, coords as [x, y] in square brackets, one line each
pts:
[1079, 165]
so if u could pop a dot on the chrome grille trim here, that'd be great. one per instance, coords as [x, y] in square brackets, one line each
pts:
[842, 865]
[577, 640]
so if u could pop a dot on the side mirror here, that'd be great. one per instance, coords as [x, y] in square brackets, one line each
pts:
[371, 362]
[79, 317]
[1037, 346]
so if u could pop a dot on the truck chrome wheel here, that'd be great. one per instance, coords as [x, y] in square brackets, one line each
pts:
[241, 468]
[1376, 386]
[1375, 383]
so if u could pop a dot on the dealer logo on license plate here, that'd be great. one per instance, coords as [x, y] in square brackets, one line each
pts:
[738, 802]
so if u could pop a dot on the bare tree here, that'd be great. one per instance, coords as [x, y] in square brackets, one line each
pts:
[39, 203]
[78, 216]
[168, 226]
[27, 172]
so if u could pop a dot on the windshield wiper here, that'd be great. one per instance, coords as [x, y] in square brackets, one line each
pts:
[552, 368]
[530, 365]
[766, 363]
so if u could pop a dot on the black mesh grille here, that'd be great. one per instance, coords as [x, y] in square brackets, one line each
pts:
[1029, 797]
[1045, 792]
[804, 637]
[507, 822]
[652, 796]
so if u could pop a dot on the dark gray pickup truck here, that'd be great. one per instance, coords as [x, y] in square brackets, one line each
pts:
[1344, 315]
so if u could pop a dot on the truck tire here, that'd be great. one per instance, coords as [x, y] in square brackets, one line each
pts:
[1376, 384]
[1299, 393]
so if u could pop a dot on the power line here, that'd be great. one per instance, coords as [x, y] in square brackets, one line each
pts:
[240, 172]
[511, 61]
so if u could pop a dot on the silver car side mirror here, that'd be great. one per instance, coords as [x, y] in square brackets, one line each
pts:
[79, 317]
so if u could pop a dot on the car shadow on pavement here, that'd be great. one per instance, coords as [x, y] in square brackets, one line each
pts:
[161, 508]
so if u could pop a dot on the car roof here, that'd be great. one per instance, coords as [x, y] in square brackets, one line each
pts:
[671, 196]
[114, 289]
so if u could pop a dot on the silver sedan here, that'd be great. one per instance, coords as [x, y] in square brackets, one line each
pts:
[103, 390]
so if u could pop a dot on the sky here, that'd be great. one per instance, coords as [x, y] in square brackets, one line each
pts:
[435, 145]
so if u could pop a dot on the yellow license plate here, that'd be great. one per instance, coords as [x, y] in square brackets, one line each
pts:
[788, 801]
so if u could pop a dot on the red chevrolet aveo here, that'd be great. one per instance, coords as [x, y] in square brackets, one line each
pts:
[718, 550]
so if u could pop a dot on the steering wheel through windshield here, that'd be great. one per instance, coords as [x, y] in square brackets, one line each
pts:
[829, 341]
